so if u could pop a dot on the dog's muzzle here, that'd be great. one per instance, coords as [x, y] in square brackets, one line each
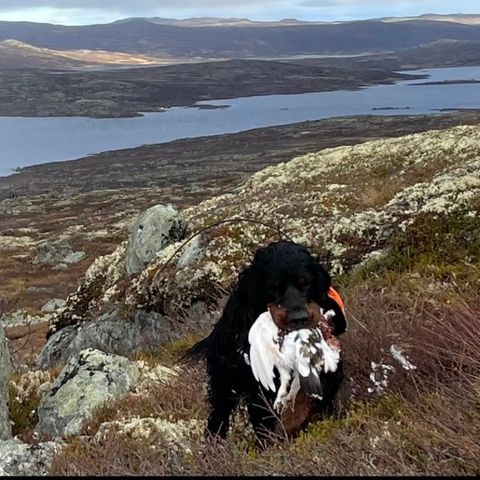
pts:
[295, 319]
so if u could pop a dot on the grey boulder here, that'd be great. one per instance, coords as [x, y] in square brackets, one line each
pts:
[111, 333]
[157, 227]
[53, 304]
[90, 379]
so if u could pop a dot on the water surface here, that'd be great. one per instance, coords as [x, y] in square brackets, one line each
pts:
[29, 141]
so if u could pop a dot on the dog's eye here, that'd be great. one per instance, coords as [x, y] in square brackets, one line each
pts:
[301, 281]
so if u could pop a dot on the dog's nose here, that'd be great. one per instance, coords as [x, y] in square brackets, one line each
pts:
[298, 316]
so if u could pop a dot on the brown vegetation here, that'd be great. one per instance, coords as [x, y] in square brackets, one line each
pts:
[426, 420]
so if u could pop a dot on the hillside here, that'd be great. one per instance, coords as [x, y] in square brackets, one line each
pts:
[396, 222]
[93, 201]
[464, 19]
[15, 54]
[349, 206]
[408, 248]
[144, 36]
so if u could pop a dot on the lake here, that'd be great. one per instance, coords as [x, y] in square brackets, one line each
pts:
[29, 141]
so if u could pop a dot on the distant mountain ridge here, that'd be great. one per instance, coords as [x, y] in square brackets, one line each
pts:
[464, 19]
[241, 38]
[218, 21]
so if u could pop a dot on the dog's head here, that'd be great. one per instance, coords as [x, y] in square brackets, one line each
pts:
[286, 278]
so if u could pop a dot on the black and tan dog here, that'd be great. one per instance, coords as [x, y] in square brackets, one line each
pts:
[287, 279]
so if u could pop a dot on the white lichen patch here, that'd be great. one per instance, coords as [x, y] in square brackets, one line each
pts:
[13, 243]
[379, 377]
[108, 266]
[22, 318]
[176, 434]
[152, 376]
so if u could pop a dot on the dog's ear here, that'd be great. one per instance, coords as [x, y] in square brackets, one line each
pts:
[321, 294]
[246, 288]
[321, 284]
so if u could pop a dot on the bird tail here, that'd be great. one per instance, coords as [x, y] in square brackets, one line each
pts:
[312, 385]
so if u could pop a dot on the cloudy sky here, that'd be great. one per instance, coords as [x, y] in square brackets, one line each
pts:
[76, 12]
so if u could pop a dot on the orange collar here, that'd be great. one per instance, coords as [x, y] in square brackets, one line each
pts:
[335, 296]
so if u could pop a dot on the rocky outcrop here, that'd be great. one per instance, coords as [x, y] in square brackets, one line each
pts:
[89, 379]
[157, 228]
[110, 333]
[5, 428]
[21, 459]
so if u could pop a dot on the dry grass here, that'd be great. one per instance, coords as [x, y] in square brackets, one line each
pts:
[422, 298]
[427, 422]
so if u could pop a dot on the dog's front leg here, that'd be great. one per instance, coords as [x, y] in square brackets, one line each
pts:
[223, 400]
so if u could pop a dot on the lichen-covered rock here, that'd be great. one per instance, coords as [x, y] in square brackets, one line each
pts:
[99, 286]
[55, 351]
[57, 252]
[5, 428]
[88, 380]
[157, 228]
[110, 333]
[21, 459]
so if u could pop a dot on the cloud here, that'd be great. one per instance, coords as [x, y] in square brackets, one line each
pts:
[426, 5]
[125, 4]
[81, 12]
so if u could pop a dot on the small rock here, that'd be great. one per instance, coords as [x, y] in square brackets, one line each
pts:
[157, 228]
[21, 459]
[88, 380]
[56, 252]
[53, 305]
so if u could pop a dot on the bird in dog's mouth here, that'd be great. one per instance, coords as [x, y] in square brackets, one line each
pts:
[300, 352]
[290, 317]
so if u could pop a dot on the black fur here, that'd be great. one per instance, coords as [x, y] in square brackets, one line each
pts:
[282, 273]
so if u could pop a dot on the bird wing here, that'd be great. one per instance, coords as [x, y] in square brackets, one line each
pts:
[264, 352]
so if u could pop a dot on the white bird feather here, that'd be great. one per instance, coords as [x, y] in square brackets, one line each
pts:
[299, 357]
